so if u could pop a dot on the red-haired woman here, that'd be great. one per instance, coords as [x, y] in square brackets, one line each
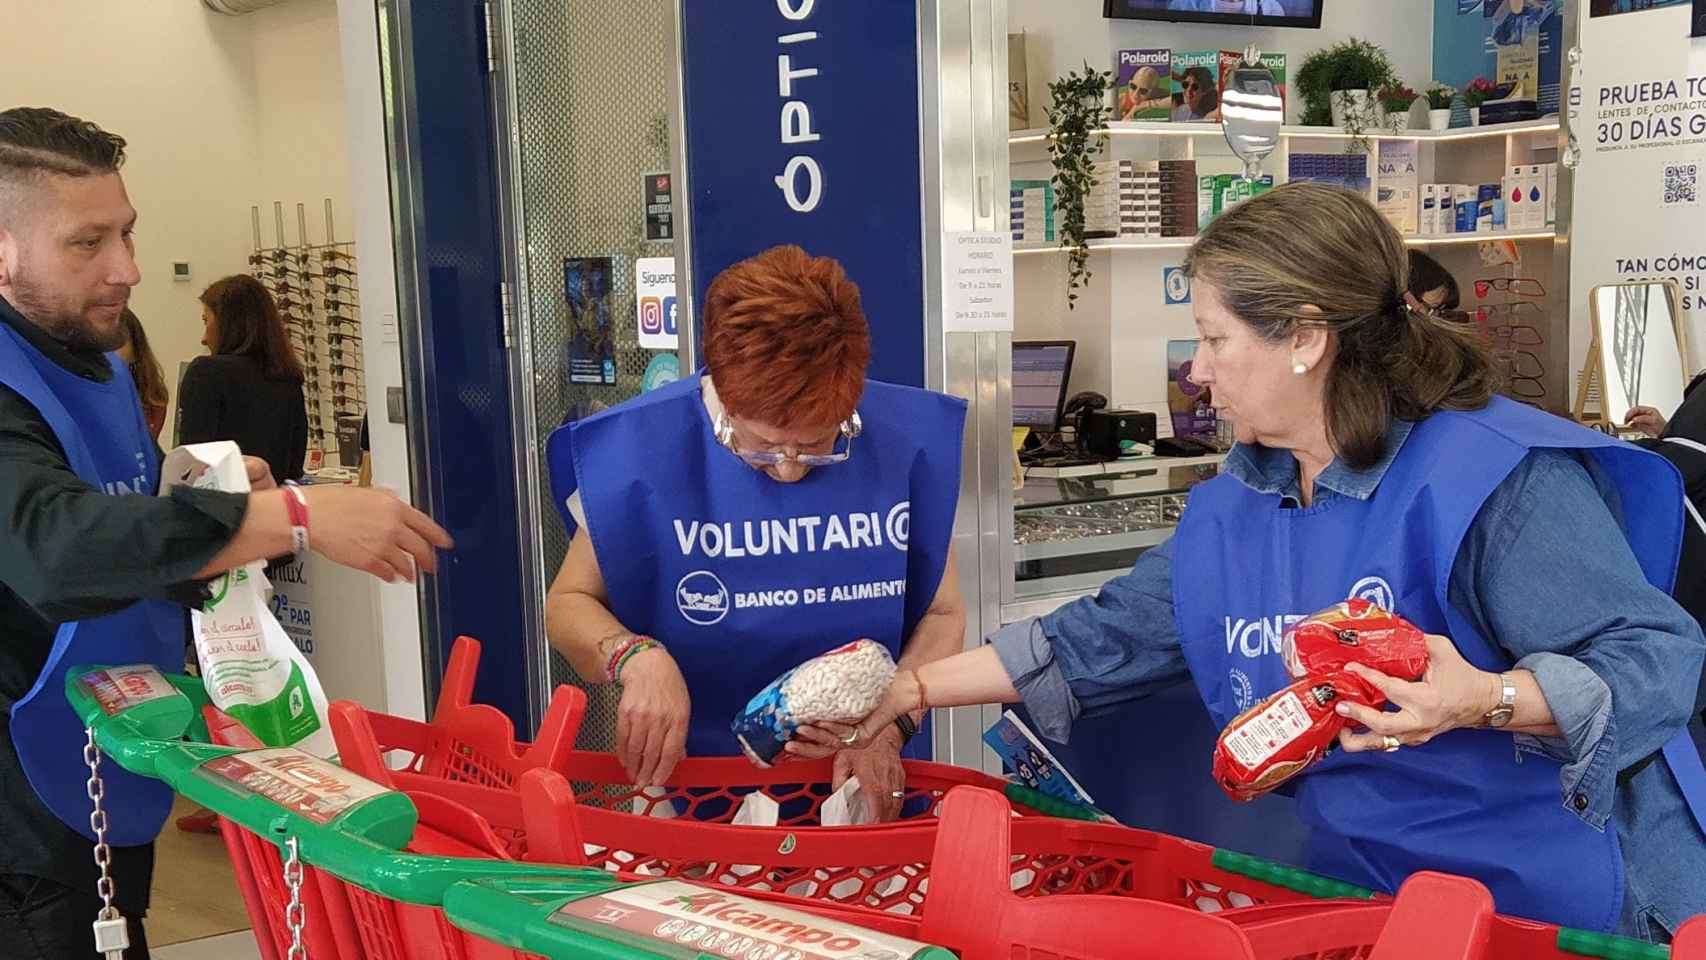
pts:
[773, 507]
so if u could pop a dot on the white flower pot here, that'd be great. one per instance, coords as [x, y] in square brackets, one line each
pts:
[1351, 104]
[1474, 116]
[1439, 119]
[1396, 120]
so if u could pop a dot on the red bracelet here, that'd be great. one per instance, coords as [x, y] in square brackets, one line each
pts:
[613, 666]
[296, 508]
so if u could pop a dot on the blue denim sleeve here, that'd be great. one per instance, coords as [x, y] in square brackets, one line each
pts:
[1099, 651]
[1546, 573]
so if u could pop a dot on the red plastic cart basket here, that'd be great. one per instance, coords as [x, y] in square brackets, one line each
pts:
[342, 920]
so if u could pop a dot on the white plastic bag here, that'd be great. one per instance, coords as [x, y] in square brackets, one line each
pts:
[252, 670]
[847, 807]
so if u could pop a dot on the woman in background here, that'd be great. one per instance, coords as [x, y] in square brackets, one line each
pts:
[145, 371]
[1432, 284]
[250, 390]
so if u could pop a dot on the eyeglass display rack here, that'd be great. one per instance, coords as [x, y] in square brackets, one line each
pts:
[1069, 536]
[315, 288]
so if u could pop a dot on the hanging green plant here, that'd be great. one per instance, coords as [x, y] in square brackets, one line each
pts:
[1078, 119]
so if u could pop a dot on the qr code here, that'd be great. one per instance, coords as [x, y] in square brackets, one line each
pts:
[1682, 184]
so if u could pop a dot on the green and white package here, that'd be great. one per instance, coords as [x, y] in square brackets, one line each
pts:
[252, 670]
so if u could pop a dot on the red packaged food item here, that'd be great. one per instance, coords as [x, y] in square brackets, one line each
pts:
[1279, 737]
[1355, 631]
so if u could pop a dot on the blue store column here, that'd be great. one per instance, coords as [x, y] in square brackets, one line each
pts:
[456, 365]
[803, 127]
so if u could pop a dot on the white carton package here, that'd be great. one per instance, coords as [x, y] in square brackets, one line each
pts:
[1430, 209]
[251, 668]
[1519, 200]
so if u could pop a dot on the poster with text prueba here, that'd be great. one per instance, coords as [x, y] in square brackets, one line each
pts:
[592, 343]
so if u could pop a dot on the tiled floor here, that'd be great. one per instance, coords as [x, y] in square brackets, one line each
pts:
[230, 946]
[195, 892]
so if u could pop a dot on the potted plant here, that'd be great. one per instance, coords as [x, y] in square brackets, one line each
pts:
[1440, 97]
[1479, 91]
[1396, 101]
[1337, 84]
[1078, 122]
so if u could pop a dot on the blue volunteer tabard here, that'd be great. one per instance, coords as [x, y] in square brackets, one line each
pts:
[101, 428]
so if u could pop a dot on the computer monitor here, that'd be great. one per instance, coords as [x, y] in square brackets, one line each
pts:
[1041, 369]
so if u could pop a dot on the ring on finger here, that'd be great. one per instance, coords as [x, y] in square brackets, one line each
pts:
[898, 794]
[1390, 744]
[850, 739]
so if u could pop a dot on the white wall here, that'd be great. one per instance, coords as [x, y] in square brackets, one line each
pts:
[177, 82]
[1062, 34]
[221, 113]
[370, 172]
[300, 118]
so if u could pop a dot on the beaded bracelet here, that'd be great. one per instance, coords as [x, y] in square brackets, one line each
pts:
[624, 652]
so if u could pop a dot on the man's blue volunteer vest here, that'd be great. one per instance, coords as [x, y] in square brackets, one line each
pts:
[106, 439]
[1462, 803]
[742, 577]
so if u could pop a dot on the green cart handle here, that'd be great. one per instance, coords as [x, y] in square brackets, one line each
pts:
[1053, 806]
[1277, 874]
[1587, 943]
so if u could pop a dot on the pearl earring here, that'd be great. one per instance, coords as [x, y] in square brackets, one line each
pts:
[1300, 368]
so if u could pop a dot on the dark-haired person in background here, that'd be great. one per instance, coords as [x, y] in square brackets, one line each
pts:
[250, 390]
[145, 372]
[1432, 284]
[93, 567]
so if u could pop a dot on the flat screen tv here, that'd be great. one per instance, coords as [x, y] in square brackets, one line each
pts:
[1244, 13]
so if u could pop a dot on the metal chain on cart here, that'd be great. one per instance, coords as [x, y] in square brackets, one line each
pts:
[293, 917]
[112, 932]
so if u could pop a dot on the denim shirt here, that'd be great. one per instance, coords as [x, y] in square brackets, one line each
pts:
[1544, 572]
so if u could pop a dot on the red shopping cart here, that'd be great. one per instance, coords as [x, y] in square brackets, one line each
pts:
[584, 812]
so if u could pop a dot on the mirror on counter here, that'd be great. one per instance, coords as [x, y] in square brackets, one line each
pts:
[1639, 349]
[1252, 112]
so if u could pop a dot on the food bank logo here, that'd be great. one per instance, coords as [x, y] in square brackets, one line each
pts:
[702, 598]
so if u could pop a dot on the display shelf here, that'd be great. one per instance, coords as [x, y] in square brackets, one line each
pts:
[1153, 128]
[1096, 544]
[1182, 243]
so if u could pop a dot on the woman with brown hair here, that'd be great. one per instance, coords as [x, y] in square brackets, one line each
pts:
[250, 389]
[145, 371]
[771, 508]
[1543, 751]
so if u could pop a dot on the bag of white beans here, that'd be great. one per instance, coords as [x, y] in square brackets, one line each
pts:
[843, 685]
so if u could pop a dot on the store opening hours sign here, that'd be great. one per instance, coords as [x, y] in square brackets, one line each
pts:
[802, 128]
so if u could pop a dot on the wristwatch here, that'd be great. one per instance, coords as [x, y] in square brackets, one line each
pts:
[908, 729]
[1501, 714]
